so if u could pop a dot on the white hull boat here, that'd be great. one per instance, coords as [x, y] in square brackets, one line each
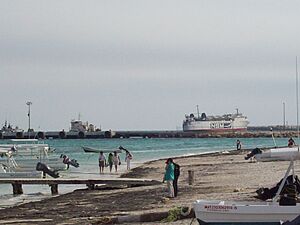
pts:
[216, 212]
[28, 160]
[279, 154]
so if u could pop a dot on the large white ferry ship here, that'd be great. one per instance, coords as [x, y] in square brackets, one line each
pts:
[232, 122]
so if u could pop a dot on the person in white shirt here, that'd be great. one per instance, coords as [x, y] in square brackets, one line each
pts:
[116, 160]
[102, 162]
[128, 158]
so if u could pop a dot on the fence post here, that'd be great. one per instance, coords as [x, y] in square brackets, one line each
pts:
[17, 188]
[191, 177]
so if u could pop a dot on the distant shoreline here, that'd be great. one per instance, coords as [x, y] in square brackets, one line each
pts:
[251, 133]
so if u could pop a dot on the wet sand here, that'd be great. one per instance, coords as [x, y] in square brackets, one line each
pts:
[224, 176]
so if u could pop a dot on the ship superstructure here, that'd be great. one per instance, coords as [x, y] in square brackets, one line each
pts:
[233, 122]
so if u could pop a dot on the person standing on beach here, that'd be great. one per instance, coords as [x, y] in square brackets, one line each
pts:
[176, 176]
[102, 162]
[291, 142]
[128, 158]
[116, 160]
[238, 145]
[110, 161]
[169, 177]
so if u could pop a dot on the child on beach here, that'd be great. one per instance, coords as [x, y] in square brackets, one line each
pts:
[169, 177]
[102, 162]
[116, 161]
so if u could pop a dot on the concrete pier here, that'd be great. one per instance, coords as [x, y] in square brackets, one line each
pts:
[251, 132]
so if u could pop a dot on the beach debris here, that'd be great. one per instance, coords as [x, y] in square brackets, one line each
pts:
[177, 213]
[291, 189]
[185, 211]
[173, 215]
[103, 220]
[238, 189]
[165, 200]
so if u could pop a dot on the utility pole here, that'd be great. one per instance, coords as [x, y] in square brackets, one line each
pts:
[29, 104]
[283, 116]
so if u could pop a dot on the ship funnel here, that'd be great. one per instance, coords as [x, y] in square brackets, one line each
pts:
[203, 116]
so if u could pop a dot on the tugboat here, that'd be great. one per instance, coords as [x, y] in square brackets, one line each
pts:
[9, 130]
[80, 129]
[78, 125]
[227, 122]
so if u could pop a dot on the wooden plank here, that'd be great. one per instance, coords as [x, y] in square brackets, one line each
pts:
[90, 183]
[24, 221]
[114, 181]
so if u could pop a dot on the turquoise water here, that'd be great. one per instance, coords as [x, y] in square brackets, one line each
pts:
[142, 150]
[148, 149]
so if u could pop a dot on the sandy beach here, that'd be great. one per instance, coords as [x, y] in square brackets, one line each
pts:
[224, 176]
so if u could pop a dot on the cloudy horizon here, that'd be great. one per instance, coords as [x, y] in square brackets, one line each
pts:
[143, 65]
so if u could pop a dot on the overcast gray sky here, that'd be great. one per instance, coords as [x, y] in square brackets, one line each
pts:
[143, 65]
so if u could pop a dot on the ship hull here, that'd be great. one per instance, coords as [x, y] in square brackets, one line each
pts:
[214, 126]
[215, 129]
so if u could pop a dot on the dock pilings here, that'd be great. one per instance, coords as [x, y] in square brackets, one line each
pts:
[17, 189]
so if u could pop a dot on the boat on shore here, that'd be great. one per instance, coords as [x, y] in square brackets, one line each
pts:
[213, 212]
[278, 154]
[227, 122]
[27, 158]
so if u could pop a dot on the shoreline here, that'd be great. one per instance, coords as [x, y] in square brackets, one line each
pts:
[45, 194]
[220, 176]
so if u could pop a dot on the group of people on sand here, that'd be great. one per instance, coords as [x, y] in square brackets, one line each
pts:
[171, 177]
[113, 159]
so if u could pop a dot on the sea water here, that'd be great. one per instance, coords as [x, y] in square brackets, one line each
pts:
[142, 149]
